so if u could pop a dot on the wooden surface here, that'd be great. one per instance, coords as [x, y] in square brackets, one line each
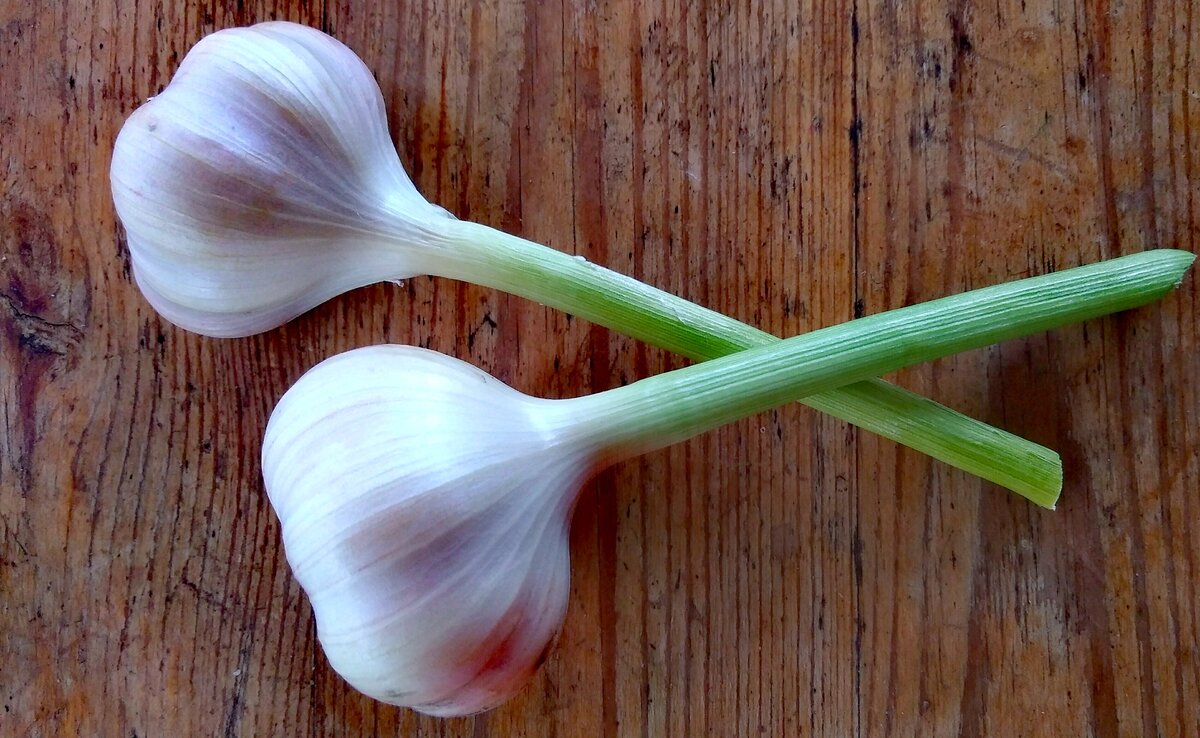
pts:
[792, 165]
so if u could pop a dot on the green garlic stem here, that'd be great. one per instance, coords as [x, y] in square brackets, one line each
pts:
[512, 264]
[670, 407]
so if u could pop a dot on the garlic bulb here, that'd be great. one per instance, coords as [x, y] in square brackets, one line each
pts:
[425, 505]
[438, 578]
[262, 182]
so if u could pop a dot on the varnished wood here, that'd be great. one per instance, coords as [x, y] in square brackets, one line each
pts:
[792, 164]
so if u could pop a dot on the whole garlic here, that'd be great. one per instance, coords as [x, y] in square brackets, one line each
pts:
[262, 182]
[425, 510]
[425, 505]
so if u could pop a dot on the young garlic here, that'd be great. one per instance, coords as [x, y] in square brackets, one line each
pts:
[262, 182]
[425, 506]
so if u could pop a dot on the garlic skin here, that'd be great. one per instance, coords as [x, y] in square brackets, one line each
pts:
[262, 182]
[439, 579]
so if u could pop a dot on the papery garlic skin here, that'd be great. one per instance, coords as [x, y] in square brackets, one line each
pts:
[438, 582]
[262, 182]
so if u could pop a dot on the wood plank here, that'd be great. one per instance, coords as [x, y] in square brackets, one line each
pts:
[791, 164]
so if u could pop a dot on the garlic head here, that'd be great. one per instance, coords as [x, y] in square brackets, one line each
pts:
[262, 181]
[425, 509]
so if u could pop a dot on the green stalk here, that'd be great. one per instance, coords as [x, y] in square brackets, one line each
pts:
[670, 407]
[505, 262]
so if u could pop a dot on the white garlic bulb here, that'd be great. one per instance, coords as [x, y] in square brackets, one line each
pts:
[262, 182]
[425, 510]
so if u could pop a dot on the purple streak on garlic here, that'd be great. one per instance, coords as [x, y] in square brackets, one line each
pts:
[291, 190]
[438, 579]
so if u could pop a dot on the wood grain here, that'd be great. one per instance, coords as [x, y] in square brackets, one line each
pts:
[791, 164]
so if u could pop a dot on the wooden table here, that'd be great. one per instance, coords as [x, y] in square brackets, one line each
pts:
[791, 166]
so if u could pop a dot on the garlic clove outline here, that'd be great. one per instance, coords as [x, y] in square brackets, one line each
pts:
[262, 182]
